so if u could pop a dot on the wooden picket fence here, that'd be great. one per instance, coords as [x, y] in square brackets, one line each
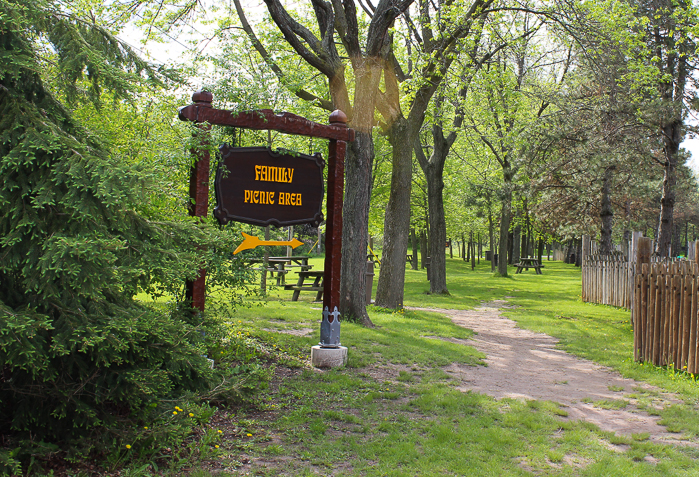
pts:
[607, 279]
[665, 314]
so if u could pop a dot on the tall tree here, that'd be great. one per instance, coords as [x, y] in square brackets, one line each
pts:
[75, 246]
[368, 51]
[441, 31]
[669, 30]
[513, 93]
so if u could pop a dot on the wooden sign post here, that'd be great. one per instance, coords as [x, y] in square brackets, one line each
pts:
[204, 115]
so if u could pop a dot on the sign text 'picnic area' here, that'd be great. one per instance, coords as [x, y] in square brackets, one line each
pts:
[258, 186]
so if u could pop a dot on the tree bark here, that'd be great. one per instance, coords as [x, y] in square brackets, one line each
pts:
[463, 247]
[423, 249]
[390, 288]
[578, 252]
[672, 90]
[491, 237]
[438, 226]
[413, 238]
[516, 244]
[355, 228]
[606, 213]
[505, 218]
[480, 249]
[473, 253]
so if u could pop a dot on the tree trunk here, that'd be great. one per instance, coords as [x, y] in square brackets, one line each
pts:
[389, 292]
[540, 252]
[438, 227]
[423, 249]
[451, 250]
[569, 252]
[355, 228]
[516, 244]
[606, 213]
[413, 238]
[505, 217]
[676, 243]
[473, 253]
[491, 237]
[480, 248]
[672, 137]
[578, 252]
[463, 247]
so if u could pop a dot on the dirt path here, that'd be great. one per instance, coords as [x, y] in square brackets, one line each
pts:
[525, 364]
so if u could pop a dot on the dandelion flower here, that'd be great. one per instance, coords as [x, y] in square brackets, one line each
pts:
[220, 431]
[216, 446]
[174, 412]
[128, 446]
[146, 428]
[249, 435]
[191, 414]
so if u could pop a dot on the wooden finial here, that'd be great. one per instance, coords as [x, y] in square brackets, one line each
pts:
[203, 97]
[338, 118]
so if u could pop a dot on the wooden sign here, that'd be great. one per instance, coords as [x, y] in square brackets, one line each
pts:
[258, 186]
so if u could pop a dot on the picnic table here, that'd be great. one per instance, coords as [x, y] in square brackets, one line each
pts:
[527, 263]
[309, 281]
[295, 261]
[274, 265]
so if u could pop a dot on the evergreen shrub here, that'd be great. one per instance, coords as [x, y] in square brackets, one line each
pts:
[78, 355]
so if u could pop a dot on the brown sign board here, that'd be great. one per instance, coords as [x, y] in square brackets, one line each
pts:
[258, 186]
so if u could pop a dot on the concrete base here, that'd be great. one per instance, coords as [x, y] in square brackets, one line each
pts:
[328, 357]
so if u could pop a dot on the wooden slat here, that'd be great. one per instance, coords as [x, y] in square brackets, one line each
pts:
[658, 333]
[662, 311]
[686, 320]
[695, 318]
[674, 349]
[691, 355]
[649, 309]
[635, 320]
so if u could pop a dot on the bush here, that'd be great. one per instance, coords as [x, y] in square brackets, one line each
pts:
[78, 354]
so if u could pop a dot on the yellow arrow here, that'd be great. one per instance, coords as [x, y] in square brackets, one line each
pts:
[252, 242]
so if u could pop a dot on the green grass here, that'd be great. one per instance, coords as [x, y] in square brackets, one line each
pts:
[395, 411]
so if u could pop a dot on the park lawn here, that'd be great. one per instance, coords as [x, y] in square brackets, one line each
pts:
[394, 411]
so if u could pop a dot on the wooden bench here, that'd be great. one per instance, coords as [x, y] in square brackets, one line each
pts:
[295, 261]
[302, 285]
[527, 263]
[274, 265]
[281, 274]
